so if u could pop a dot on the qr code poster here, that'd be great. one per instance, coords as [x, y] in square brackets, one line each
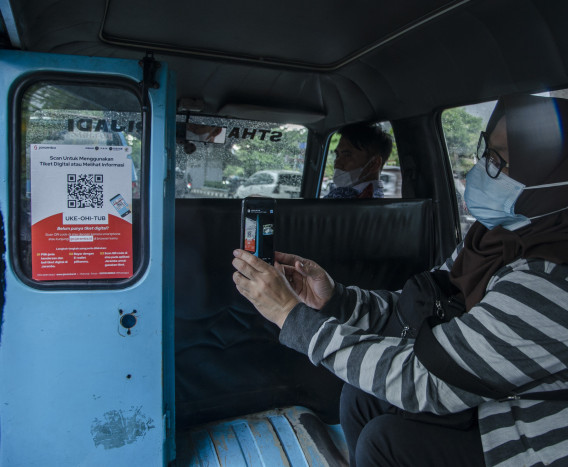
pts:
[80, 208]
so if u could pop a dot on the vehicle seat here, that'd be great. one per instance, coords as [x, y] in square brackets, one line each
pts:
[228, 358]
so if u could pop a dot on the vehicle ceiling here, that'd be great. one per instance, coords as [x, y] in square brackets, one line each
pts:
[319, 63]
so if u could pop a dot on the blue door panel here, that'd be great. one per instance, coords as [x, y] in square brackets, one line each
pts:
[76, 389]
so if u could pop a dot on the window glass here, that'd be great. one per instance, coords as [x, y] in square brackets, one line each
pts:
[264, 179]
[290, 180]
[462, 126]
[390, 176]
[230, 158]
[79, 178]
[253, 180]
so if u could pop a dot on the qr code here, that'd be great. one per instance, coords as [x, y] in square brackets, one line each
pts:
[84, 191]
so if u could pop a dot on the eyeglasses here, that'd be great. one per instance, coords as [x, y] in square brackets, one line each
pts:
[494, 163]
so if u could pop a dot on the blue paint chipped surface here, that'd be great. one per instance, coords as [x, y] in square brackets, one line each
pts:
[118, 428]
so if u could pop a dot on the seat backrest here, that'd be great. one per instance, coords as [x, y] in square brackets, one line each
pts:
[375, 243]
[228, 359]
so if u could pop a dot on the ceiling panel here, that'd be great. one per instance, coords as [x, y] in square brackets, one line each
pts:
[314, 33]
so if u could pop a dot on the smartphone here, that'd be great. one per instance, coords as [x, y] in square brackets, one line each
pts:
[257, 227]
[120, 205]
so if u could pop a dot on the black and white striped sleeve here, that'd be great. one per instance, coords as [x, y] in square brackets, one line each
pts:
[514, 336]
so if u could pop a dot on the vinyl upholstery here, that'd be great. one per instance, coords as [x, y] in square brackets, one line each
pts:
[228, 359]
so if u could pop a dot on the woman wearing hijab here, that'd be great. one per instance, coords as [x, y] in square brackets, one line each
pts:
[512, 271]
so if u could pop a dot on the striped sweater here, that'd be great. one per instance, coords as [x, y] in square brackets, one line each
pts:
[517, 335]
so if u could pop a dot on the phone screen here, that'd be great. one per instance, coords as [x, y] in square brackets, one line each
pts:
[120, 205]
[257, 227]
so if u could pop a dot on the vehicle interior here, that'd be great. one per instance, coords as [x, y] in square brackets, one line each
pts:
[316, 66]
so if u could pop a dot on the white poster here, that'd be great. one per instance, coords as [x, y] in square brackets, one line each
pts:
[81, 215]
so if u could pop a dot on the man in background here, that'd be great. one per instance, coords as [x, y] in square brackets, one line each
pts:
[360, 156]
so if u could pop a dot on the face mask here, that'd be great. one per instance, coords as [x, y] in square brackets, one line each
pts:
[492, 200]
[343, 178]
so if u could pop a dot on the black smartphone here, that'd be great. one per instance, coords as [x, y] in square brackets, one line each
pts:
[257, 227]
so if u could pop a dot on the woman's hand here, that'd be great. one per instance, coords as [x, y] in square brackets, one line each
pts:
[309, 280]
[264, 286]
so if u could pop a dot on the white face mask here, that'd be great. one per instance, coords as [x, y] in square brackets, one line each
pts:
[343, 178]
[492, 200]
[348, 178]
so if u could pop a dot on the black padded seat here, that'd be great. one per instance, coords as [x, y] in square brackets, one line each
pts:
[374, 244]
[228, 359]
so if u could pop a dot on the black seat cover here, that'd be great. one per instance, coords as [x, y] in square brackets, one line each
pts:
[228, 359]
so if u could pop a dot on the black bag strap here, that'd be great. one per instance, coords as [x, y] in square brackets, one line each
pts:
[436, 360]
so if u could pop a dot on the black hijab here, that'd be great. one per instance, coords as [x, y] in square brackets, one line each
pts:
[538, 154]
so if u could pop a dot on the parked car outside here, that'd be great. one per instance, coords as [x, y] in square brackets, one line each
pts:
[392, 181]
[271, 183]
[232, 183]
[326, 186]
[390, 176]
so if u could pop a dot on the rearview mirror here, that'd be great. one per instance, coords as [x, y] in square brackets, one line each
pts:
[200, 133]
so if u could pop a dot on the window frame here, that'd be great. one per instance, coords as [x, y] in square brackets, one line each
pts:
[140, 237]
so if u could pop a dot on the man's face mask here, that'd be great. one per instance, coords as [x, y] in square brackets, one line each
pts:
[492, 200]
[348, 178]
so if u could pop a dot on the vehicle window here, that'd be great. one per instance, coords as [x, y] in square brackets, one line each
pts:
[388, 180]
[462, 126]
[253, 180]
[79, 182]
[390, 177]
[264, 179]
[293, 180]
[231, 158]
